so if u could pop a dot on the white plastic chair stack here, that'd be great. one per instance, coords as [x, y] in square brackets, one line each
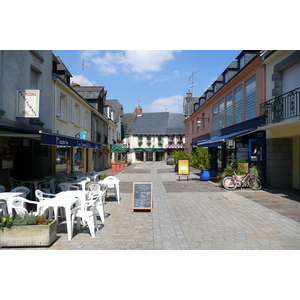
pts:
[96, 188]
[21, 189]
[87, 213]
[112, 182]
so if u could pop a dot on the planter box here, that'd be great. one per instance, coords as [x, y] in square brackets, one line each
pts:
[28, 235]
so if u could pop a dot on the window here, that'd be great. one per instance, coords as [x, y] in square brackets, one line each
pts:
[80, 158]
[229, 110]
[34, 79]
[250, 99]
[221, 114]
[63, 160]
[215, 117]
[238, 105]
[241, 62]
[63, 106]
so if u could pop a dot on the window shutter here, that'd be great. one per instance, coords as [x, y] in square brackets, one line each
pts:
[57, 102]
[69, 108]
[73, 113]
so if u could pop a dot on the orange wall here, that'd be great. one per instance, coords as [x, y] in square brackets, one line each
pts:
[255, 68]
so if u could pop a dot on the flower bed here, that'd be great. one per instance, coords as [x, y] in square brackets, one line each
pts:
[43, 234]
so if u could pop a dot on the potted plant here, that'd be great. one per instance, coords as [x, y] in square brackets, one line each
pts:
[28, 230]
[148, 144]
[160, 144]
[140, 143]
[200, 160]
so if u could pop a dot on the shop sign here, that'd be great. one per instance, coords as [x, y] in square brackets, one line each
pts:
[28, 103]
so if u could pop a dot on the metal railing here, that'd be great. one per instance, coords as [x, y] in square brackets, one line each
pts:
[282, 107]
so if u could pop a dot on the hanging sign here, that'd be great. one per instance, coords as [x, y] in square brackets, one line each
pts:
[28, 103]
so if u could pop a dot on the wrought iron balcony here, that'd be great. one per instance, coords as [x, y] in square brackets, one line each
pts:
[282, 107]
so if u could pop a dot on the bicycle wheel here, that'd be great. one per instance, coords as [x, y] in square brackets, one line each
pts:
[254, 183]
[229, 183]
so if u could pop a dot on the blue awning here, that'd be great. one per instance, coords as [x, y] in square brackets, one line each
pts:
[60, 140]
[219, 140]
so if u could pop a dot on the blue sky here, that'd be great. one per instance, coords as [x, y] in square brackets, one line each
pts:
[156, 79]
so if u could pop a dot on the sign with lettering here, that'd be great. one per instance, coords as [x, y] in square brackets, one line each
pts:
[28, 103]
[183, 167]
[142, 196]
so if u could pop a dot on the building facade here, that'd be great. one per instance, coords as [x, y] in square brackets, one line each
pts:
[26, 95]
[152, 136]
[281, 112]
[227, 115]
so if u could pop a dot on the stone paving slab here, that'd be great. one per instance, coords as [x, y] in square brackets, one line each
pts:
[187, 215]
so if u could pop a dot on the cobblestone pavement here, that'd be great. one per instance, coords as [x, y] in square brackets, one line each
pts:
[191, 214]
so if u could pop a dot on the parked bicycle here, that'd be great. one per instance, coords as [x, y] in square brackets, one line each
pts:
[232, 182]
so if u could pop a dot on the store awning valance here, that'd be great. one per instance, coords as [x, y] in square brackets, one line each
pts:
[115, 148]
[139, 149]
[219, 140]
[159, 150]
[60, 140]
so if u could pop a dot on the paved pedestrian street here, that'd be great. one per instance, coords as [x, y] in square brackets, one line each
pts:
[189, 215]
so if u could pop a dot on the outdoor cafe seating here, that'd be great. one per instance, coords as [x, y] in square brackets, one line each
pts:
[22, 189]
[112, 182]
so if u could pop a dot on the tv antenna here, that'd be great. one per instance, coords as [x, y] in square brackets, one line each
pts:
[192, 81]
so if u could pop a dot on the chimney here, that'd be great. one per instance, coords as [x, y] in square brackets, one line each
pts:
[138, 111]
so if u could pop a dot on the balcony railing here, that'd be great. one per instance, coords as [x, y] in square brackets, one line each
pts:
[280, 108]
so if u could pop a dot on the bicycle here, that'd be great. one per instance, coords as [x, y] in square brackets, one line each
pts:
[232, 182]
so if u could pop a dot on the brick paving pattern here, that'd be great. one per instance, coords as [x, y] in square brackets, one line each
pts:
[190, 215]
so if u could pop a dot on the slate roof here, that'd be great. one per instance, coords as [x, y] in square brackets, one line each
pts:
[157, 123]
[117, 108]
[89, 92]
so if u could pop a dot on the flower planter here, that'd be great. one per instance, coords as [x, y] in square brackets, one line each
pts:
[28, 235]
[204, 175]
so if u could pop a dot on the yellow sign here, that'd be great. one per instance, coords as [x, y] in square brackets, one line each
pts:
[183, 167]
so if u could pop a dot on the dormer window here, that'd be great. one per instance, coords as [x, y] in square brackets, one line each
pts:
[241, 62]
[226, 77]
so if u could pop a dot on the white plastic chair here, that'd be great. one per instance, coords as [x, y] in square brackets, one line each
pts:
[82, 182]
[96, 189]
[19, 204]
[41, 196]
[2, 189]
[3, 208]
[93, 175]
[87, 213]
[49, 186]
[65, 186]
[112, 182]
[14, 183]
[21, 189]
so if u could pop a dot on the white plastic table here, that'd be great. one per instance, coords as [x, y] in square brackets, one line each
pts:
[8, 196]
[66, 200]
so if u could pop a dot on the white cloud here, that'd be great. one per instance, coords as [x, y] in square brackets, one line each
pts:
[82, 80]
[173, 104]
[137, 61]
